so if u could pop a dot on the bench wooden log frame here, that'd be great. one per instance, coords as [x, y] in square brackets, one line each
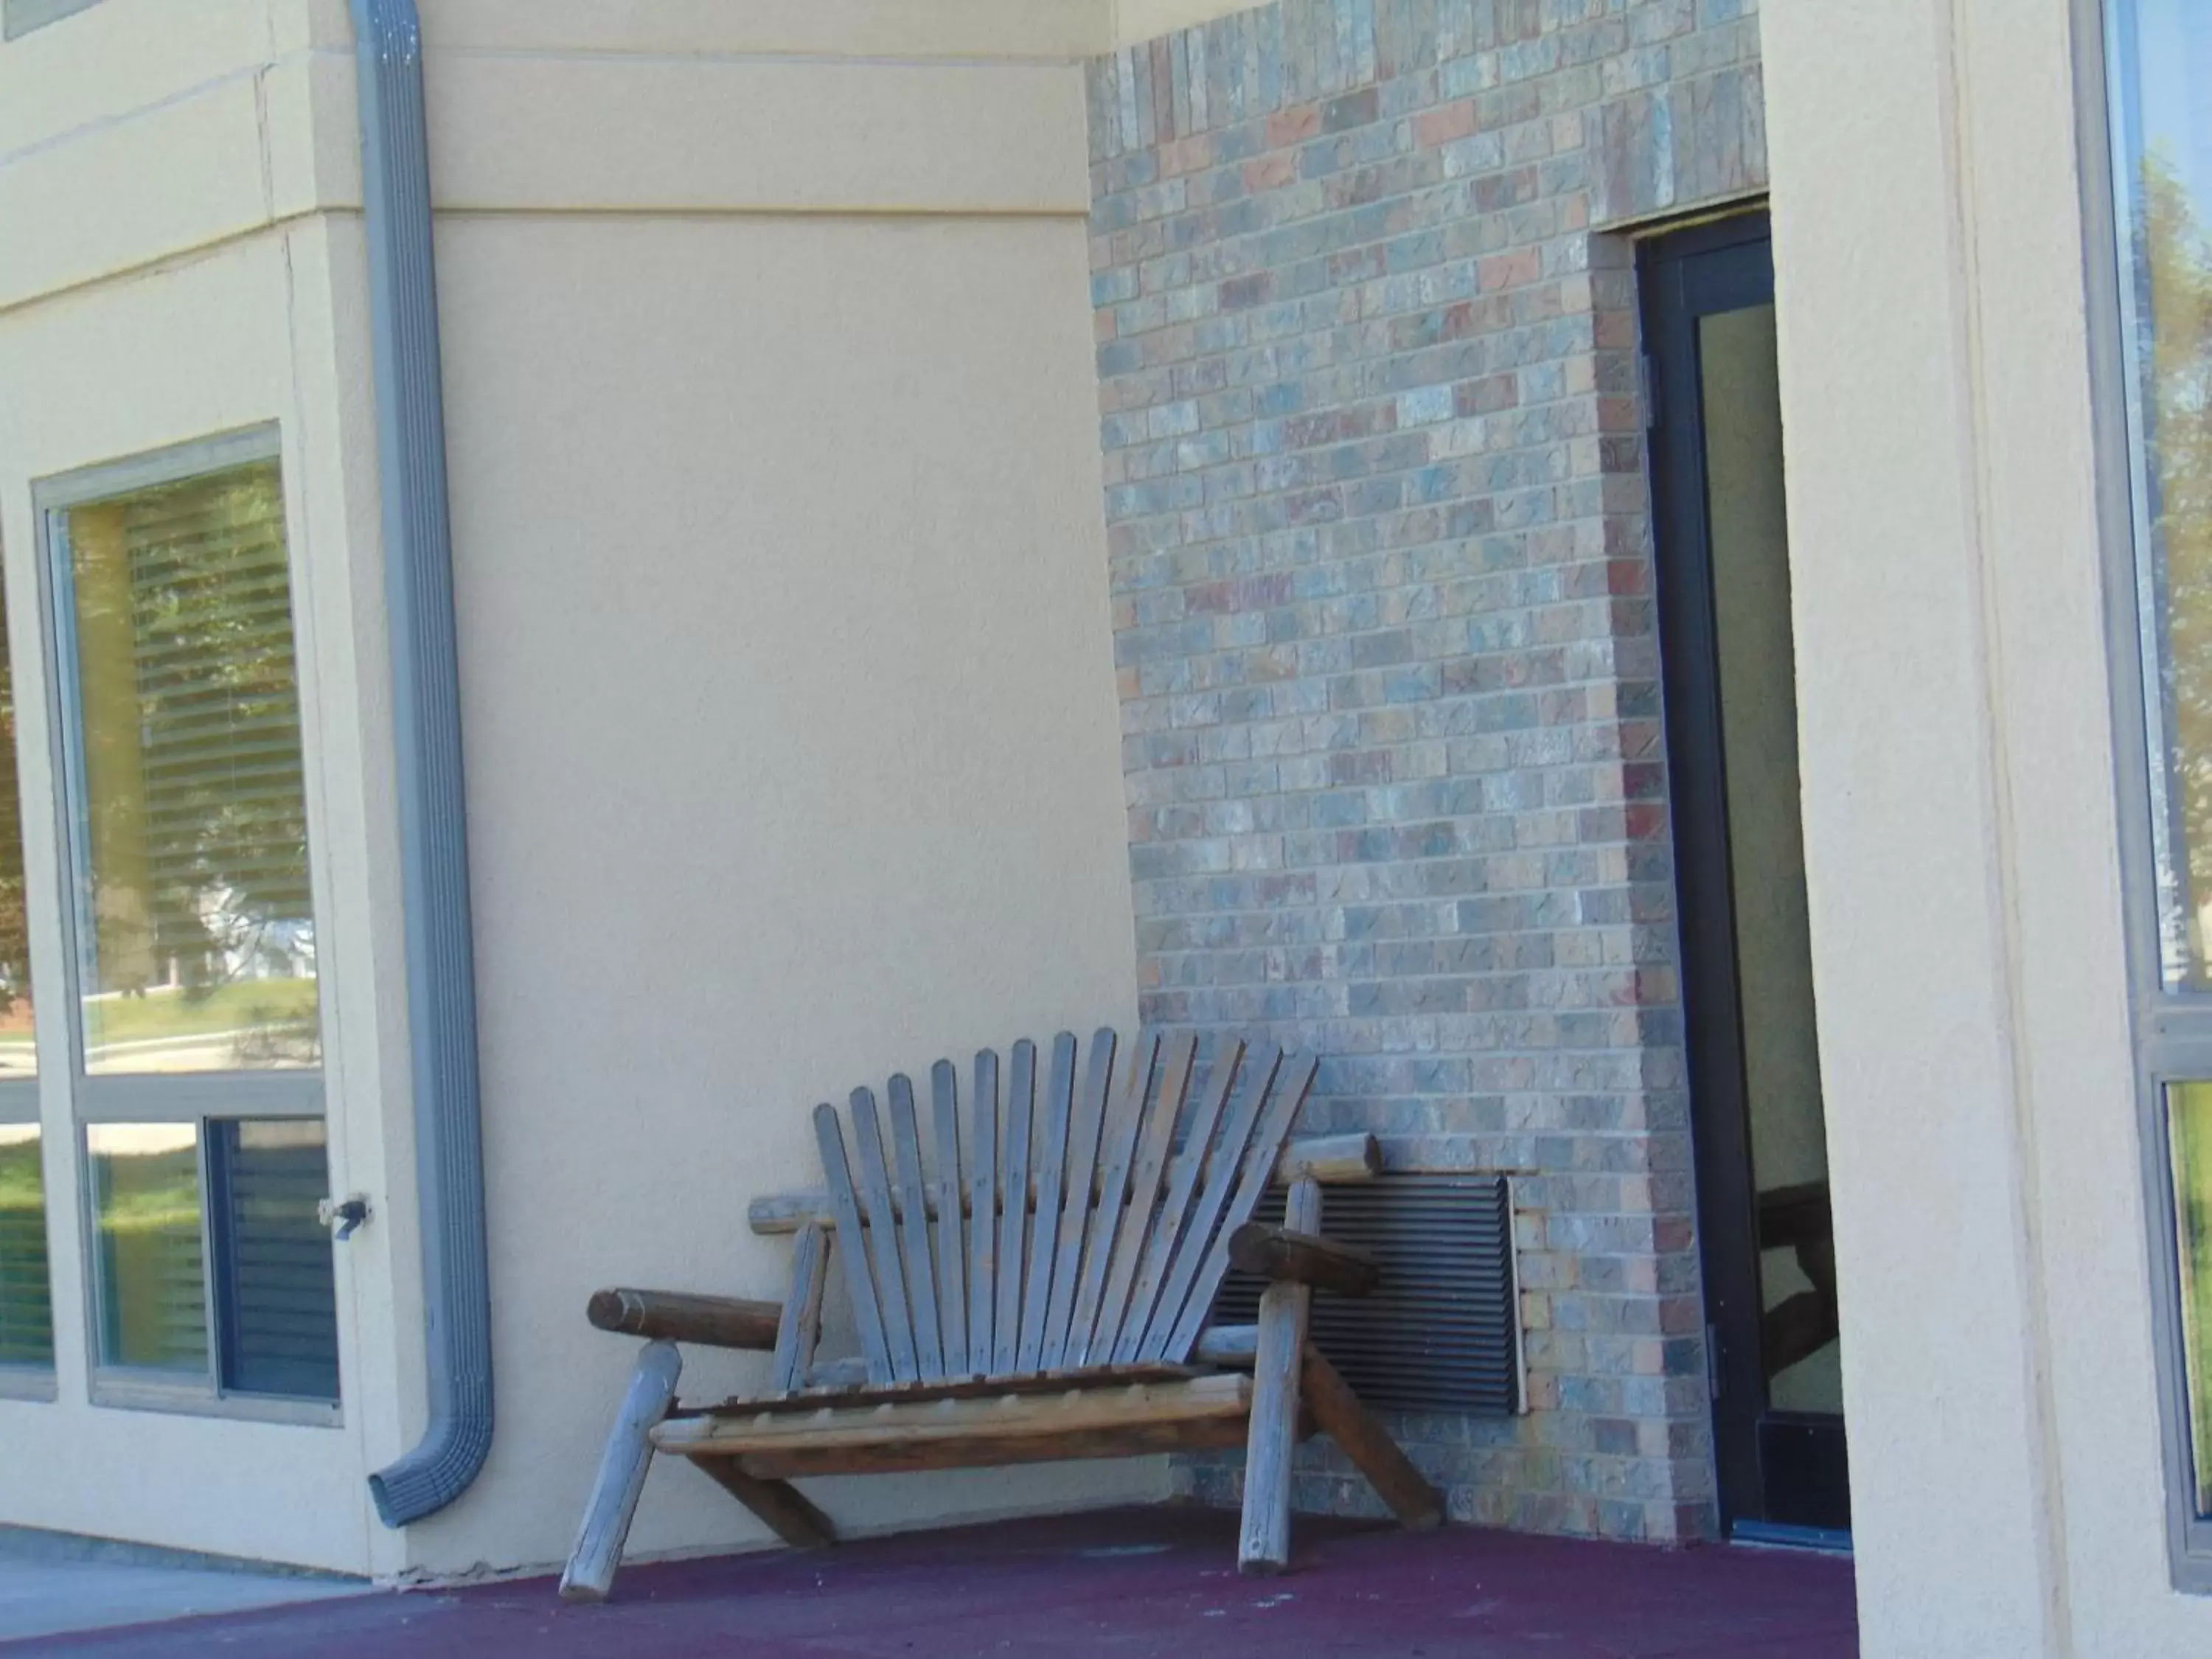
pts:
[1039, 1288]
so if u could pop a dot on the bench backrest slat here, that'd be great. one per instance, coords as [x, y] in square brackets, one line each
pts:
[1174, 1208]
[1081, 1227]
[1116, 1148]
[851, 1245]
[951, 1259]
[882, 1236]
[1261, 1070]
[1292, 1082]
[1051, 1153]
[983, 1211]
[795, 1333]
[1014, 1209]
[914, 1230]
[1066, 1266]
[1155, 1138]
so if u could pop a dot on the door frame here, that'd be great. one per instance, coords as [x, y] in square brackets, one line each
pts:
[1683, 276]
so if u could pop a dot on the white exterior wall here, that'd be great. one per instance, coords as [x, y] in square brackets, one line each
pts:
[785, 650]
[1958, 764]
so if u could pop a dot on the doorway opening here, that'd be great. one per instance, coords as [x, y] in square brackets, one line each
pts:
[1765, 1227]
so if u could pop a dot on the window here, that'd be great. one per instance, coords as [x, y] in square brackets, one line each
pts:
[2159, 108]
[26, 1329]
[192, 1011]
[21, 16]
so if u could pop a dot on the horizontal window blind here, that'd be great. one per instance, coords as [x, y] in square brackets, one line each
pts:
[279, 1304]
[27, 1317]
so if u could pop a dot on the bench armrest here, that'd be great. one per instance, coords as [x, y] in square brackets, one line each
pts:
[1281, 1254]
[717, 1321]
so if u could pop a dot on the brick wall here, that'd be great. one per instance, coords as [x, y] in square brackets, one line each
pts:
[1389, 685]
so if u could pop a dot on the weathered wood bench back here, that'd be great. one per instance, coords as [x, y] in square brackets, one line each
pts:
[1076, 1226]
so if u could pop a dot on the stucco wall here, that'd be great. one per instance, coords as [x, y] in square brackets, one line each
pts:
[168, 274]
[784, 632]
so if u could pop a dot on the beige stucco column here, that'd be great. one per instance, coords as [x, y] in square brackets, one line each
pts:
[1961, 833]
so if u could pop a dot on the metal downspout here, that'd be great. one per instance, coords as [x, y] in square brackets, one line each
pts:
[427, 722]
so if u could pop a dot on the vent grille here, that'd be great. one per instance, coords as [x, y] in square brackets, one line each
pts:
[1439, 1334]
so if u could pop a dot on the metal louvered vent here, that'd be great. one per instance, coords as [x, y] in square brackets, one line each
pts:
[1439, 1334]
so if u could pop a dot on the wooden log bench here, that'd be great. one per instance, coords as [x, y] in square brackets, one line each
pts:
[1037, 1287]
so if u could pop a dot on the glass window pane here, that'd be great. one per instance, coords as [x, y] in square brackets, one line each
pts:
[279, 1305]
[26, 1317]
[146, 1210]
[2162, 67]
[2189, 1106]
[187, 784]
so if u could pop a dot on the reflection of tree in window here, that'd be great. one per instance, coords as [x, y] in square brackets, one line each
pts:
[196, 811]
[2177, 262]
[14, 936]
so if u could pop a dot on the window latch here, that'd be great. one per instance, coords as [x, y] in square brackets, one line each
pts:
[345, 1215]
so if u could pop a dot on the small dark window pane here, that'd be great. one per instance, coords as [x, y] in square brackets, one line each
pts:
[26, 1318]
[280, 1334]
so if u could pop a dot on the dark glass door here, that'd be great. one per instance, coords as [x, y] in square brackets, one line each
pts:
[1723, 597]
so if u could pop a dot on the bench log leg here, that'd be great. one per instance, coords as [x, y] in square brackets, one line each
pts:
[1264, 1545]
[1341, 1416]
[781, 1507]
[592, 1564]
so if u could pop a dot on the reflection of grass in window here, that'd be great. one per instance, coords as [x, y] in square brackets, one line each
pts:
[150, 1244]
[289, 1003]
[2192, 1153]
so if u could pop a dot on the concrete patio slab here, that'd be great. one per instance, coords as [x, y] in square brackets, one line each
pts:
[1133, 1584]
[44, 1592]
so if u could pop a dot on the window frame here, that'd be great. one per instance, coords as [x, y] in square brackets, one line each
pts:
[17, 1380]
[199, 1098]
[20, 17]
[2171, 1025]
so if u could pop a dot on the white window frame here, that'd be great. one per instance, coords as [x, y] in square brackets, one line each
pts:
[2172, 1023]
[20, 17]
[195, 1098]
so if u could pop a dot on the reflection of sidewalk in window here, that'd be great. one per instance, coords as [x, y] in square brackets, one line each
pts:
[202, 1051]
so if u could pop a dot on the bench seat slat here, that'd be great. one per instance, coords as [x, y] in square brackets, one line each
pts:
[1073, 1410]
[843, 1395]
[996, 1451]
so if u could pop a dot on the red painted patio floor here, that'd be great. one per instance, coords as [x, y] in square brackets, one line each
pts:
[1131, 1584]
